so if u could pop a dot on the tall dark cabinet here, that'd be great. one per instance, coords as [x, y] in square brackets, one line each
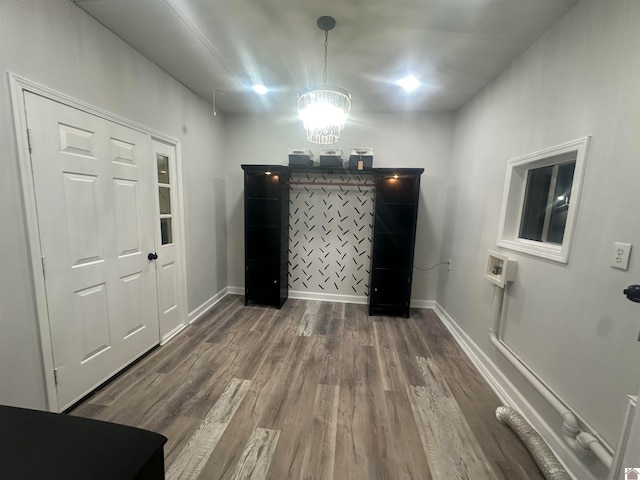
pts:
[394, 233]
[266, 212]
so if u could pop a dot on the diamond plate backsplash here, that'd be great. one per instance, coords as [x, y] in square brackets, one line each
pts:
[330, 230]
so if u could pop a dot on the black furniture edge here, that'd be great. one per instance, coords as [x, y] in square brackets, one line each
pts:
[274, 168]
[37, 444]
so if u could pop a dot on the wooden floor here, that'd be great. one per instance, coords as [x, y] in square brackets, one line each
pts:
[316, 390]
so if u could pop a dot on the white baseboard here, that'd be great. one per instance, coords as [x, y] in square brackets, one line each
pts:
[235, 290]
[197, 313]
[423, 303]
[335, 297]
[511, 396]
[173, 333]
[328, 297]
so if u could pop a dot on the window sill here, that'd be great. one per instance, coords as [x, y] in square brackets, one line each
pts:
[548, 251]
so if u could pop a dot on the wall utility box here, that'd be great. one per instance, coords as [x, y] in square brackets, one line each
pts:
[500, 269]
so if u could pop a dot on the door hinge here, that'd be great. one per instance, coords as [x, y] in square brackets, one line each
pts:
[44, 270]
[29, 140]
[55, 375]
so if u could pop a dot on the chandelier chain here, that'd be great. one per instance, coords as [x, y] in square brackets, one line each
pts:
[326, 45]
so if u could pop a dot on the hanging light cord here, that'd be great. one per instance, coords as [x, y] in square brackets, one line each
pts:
[326, 45]
[431, 268]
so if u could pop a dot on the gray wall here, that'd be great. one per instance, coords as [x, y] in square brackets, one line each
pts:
[418, 140]
[56, 44]
[570, 323]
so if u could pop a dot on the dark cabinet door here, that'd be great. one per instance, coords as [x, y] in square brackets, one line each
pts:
[394, 233]
[266, 213]
[391, 289]
[262, 281]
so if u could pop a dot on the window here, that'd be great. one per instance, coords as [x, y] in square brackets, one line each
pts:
[540, 201]
[164, 196]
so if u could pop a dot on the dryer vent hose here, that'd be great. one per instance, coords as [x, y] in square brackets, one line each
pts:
[549, 465]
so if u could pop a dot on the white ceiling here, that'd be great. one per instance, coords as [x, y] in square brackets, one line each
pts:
[454, 47]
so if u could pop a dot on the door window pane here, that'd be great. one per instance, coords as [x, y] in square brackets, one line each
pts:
[163, 169]
[165, 231]
[164, 194]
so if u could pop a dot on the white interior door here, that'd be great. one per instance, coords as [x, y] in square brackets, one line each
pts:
[93, 183]
[171, 301]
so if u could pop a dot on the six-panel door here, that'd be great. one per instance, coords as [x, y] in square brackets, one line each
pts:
[95, 200]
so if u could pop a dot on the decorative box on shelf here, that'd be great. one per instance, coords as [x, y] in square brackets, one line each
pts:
[300, 157]
[361, 158]
[331, 157]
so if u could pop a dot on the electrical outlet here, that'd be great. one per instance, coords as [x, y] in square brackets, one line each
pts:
[620, 257]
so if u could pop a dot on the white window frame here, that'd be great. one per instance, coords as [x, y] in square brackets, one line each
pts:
[514, 196]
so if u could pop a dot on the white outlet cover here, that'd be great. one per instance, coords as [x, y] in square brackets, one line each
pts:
[620, 255]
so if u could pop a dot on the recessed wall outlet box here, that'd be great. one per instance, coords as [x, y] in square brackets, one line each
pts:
[500, 269]
[620, 257]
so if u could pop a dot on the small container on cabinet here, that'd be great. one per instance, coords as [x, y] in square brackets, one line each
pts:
[266, 223]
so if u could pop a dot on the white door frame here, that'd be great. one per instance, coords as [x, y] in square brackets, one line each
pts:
[178, 233]
[18, 85]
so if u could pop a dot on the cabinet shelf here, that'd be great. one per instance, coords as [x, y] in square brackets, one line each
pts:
[394, 232]
[266, 212]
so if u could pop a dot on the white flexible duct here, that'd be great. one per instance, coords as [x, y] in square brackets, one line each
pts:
[549, 465]
[579, 440]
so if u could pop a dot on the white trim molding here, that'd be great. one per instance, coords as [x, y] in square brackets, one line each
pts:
[334, 297]
[423, 303]
[172, 334]
[200, 311]
[327, 297]
[235, 290]
[17, 87]
[513, 199]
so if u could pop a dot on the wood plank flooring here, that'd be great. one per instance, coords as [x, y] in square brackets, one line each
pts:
[316, 390]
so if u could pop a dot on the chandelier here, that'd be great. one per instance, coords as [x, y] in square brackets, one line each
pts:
[324, 108]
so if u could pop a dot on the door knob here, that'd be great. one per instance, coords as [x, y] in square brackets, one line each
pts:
[152, 256]
[633, 293]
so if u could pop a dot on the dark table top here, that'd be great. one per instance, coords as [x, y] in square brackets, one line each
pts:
[43, 445]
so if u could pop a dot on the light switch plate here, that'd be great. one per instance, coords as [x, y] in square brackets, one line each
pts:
[620, 257]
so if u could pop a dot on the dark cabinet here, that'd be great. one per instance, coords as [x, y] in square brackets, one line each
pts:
[266, 212]
[394, 232]
[266, 216]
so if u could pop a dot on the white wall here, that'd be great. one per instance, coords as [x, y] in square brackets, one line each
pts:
[570, 323]
[418, 140]
[56, 44]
